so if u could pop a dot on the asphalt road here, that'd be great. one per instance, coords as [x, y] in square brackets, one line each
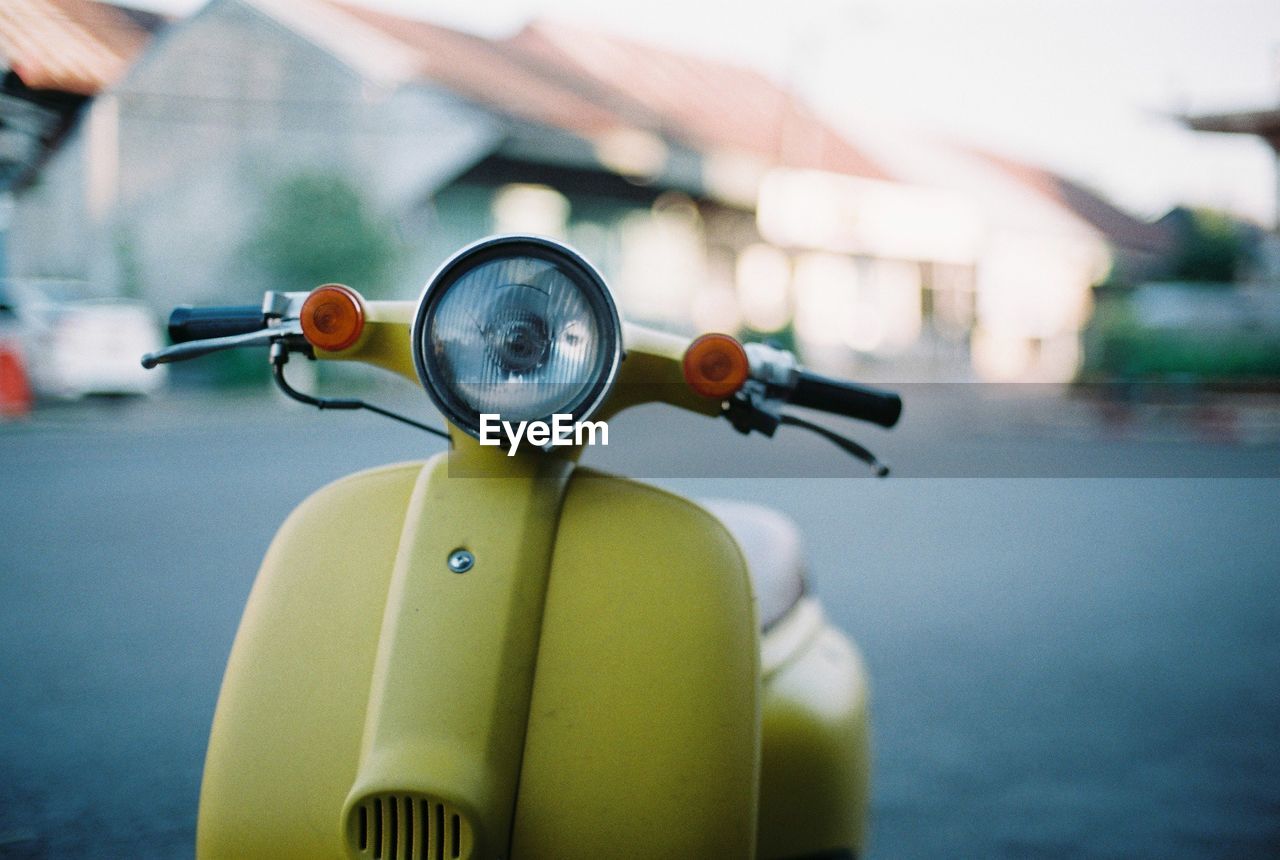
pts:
[1061, 666]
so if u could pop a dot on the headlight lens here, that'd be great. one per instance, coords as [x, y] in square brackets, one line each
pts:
[518, 326]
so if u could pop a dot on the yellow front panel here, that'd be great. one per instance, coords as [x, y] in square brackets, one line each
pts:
[365, 674]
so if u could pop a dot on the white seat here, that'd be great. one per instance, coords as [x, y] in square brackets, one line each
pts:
[771, 544]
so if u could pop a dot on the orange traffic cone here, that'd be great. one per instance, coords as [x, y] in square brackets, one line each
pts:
[15, 394]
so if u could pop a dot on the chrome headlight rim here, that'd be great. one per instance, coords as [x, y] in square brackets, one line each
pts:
[493, 248]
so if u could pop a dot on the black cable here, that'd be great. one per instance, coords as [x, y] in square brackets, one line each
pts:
[281, 356]
[846, 444]
[377, 410]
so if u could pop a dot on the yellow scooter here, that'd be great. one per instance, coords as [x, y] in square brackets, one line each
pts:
[496, 653]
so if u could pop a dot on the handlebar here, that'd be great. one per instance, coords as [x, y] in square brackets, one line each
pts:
[187, 323]
[862, 402]
[773, 374]
[776, 375]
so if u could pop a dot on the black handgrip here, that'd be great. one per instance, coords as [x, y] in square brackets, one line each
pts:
[188, 323]
[846, 398]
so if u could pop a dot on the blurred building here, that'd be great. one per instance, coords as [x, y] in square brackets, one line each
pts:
[711, 197]
[1035, 244]
[166, 178]
[55, 56]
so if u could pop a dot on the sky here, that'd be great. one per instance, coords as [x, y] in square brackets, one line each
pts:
[1089, 88]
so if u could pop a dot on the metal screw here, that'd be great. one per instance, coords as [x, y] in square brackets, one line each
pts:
[460, 561]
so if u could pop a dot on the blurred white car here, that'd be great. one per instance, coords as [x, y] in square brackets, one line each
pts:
[74, 343]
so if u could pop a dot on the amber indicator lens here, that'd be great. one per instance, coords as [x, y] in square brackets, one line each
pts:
[332, 317]
[715, 365]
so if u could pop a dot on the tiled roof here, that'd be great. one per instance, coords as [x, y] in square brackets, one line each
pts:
[71, 46]
[1118, 227]
[708, 104]
[589, 84]
[490, 73]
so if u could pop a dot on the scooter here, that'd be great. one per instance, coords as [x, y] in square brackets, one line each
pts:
[497, 653]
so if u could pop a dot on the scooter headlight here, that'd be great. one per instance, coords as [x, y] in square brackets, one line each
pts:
[517, 326]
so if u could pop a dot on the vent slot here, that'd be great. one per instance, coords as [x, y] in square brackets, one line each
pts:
[407, 827]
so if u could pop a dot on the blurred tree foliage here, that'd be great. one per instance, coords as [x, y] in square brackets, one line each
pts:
[317, 229]
[1211, 246]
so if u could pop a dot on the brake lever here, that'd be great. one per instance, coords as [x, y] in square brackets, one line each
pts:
[757, 407]
[197, 348]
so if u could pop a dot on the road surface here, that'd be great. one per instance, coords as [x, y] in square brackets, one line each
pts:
[1061, 666]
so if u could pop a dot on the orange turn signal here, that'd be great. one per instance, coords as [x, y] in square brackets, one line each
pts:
[715, 365]
[332, 317]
